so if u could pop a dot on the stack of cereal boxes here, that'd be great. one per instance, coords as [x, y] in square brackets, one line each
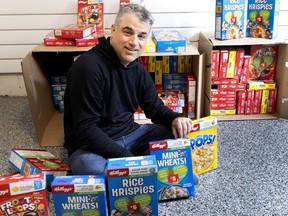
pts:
[204, 144]
[132, 186]
[175, 177]
[80, 195]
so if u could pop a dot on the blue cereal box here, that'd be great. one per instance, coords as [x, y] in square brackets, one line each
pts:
[132, 186]
[80, 195]
[230, 19]
[262, 18]
[175, 176]
[169, 41]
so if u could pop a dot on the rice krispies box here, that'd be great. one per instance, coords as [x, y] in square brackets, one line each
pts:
[80, 195]
[230, 19]
[262, 18]
[132, 186]
[23, 195]
[32, 161]
[175, 176]
[204, 144]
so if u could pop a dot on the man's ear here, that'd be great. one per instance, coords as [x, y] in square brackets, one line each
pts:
[112, 28]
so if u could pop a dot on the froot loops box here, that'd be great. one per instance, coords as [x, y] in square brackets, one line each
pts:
[81, 195]
[132, 186]
[175, 177]
[204, 144]
[23, 195]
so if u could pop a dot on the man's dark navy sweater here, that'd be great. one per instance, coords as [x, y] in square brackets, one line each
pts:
[100, 100]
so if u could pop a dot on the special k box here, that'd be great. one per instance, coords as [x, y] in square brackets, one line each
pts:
[132, 185]
[23, 195]
[175, 177]
[204, 144]
[32, 161]
[80, 195]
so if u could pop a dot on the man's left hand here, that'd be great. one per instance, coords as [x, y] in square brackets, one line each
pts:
[181, 126]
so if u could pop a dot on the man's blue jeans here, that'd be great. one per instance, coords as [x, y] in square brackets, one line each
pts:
[84, 162]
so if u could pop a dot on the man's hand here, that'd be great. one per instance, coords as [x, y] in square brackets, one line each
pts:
[181, 126]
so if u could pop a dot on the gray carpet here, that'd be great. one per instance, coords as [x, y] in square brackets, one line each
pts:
[252, 178]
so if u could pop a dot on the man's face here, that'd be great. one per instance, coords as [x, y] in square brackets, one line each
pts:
[129, 38]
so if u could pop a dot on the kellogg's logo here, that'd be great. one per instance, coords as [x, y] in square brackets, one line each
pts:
[118, 173]
[196, 127]
[4, 192]
[63, 189]
[158, 145]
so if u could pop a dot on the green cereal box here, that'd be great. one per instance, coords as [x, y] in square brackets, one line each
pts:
[81, 195]
[132, 186]
[230, 19]
[175, 176]
[262, 18]
[204, 144]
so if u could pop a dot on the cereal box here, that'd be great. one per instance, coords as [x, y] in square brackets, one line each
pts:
[91, 12]
[169, 41]
[204, 144]
[80, 195]
[74, 31]
[23, 195]
[31, 161]
[263, 62]
[230, 19]
[175, 177]
[51, 40]
[262, 18]
[132, 186]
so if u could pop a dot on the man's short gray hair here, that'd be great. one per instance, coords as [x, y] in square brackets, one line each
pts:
[141, 12]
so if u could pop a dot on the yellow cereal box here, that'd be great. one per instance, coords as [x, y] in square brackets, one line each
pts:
[204, 144]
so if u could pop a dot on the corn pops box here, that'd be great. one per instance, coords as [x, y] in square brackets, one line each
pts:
[80, 195]
[32, 161]
[262, 18]
[132, 186]
[23, 195]
[230, 19]
[204, 144]
[175, 177]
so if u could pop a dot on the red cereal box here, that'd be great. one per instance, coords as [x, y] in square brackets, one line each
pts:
[51, 40]
[90, 40]
[241, 96]
[245, 70]
[249, 102]
[91, 12]
[23, 195]
[223, 65]
[272, 101]
[215, 64]
[74, 31]
[257, 101]
[240, 52]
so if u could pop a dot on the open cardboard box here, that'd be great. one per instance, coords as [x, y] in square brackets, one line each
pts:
[43, 62]
[207, 44]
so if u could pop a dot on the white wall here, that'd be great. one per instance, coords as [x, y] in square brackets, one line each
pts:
[23, 24]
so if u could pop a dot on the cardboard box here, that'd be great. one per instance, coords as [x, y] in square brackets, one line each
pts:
[23, 195]
[169, 41]
[204, 144]
[42, 63]
[206, 45]
[80, 195]
[132, 185]
[31, 161]
[175, 176]
[262, 18]
[230, 19]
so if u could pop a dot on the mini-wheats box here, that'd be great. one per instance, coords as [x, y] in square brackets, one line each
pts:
[169, 41]
[204, 144]
[175, 176]
[32, 161]
[80, 195]
[23, 195]
[262, 18]
[230, 19]
[91, 12]
[132, 186]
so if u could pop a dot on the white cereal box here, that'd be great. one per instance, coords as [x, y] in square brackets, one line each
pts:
[23, 195]
[80, 195]
[204, 144]
[175, 176]
[132, 186]
[230, 19]
[262, 18]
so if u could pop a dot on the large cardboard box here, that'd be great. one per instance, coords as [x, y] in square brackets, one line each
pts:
[206, 45]
[44, 62]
